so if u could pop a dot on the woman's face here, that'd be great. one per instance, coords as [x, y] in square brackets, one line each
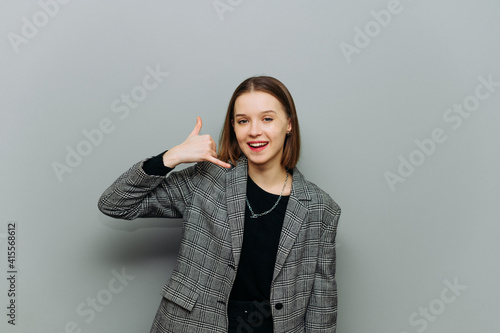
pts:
[261, 124]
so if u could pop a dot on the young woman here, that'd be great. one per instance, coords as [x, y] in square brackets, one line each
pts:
[258, 246]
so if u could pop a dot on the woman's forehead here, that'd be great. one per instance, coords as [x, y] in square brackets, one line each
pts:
[257, 102]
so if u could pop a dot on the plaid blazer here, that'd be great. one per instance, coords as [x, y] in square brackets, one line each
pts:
[211, 202]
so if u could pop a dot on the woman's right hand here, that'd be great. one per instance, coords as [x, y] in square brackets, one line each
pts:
[195, 148]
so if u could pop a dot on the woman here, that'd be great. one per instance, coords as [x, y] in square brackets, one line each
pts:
[258, 246]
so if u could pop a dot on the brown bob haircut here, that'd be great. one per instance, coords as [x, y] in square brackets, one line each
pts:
[229, 150]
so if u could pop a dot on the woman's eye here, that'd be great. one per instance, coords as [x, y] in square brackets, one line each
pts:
[268, 119]
[242, 121]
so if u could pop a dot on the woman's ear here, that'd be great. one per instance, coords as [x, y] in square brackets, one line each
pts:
[289, 128]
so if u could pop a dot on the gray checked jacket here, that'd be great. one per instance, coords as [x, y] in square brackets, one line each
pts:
[211, 202]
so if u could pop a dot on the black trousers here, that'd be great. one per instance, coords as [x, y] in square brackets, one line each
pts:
[250, 317]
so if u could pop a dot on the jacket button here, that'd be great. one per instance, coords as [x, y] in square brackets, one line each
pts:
[278, 306]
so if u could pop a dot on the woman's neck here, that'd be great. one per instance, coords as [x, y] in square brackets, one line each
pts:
[271, 180]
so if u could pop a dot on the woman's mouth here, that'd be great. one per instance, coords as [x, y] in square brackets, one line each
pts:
[257, 146]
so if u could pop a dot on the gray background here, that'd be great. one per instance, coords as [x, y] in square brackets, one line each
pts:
[358, 114]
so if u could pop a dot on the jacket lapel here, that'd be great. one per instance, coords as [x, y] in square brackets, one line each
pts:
[295, 216]
[236, 184]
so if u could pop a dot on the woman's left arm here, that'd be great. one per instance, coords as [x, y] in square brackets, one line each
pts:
[321, 312]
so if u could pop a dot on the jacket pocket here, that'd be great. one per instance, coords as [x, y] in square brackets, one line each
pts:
[180, 294]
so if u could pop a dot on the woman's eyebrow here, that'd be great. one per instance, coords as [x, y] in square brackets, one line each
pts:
[262, 112]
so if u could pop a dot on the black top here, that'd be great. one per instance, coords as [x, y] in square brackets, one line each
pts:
[260, 238]
[260, 245]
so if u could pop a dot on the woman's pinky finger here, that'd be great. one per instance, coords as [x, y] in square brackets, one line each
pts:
[219, 163]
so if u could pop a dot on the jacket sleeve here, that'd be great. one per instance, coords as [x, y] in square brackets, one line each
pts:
[321, 312]
[137, 194]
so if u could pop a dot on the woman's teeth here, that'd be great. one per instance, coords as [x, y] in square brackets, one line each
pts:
[256, 145]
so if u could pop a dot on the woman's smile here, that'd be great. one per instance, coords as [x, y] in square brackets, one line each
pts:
[258, 145]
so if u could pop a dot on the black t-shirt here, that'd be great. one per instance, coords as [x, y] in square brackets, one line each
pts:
[260, 245]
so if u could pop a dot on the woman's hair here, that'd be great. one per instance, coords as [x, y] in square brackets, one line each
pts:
[229, 150]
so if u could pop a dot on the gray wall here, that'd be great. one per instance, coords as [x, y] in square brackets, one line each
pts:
[399, 123]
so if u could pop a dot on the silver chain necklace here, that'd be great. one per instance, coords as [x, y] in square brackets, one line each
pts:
[254, 216]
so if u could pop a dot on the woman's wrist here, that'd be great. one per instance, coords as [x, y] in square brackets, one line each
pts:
[169, 159]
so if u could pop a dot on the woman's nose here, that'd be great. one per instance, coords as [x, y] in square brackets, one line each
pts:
[255, 129]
